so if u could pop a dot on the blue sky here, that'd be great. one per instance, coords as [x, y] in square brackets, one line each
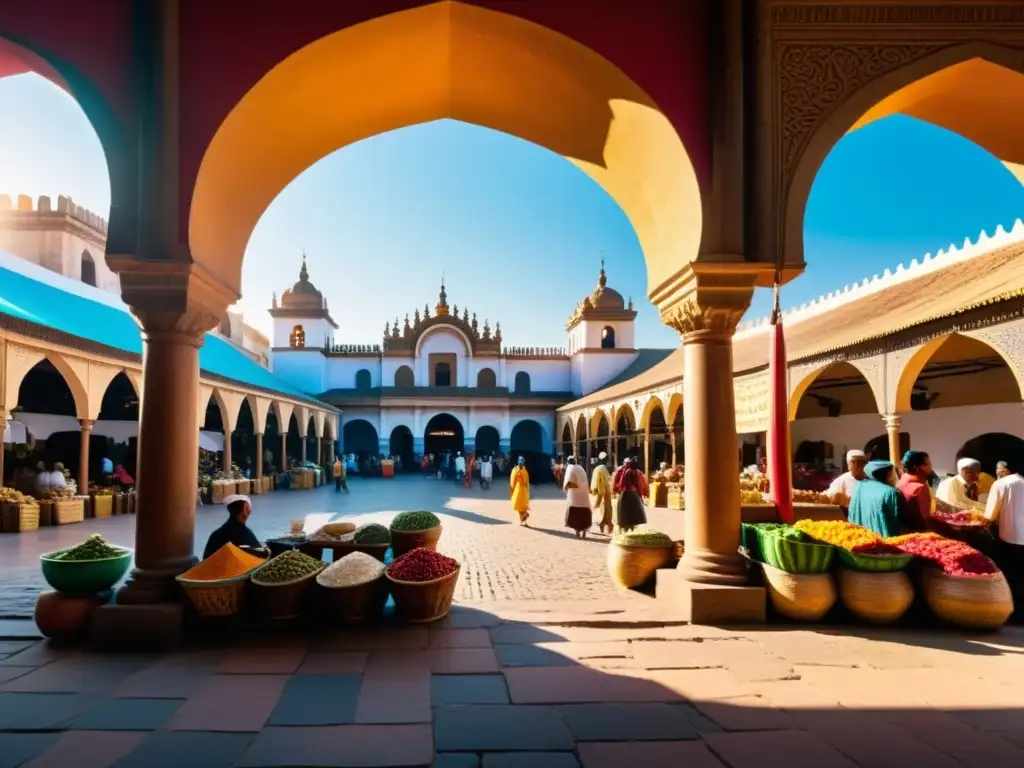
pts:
[517, 231]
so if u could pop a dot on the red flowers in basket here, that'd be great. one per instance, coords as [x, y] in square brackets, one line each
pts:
[962, 518]
[877, 548]
[954, 557]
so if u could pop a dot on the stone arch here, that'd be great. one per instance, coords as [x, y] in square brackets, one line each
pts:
[595, 421]
[363, 379]
[226, 416]
[444, 327]
[118, 384]
[88, 269]
[580, 433]
[674, 407]
[318, 423]
[487, 439]
[486, 379]
[527, 436]
[360, 437]
[21, 361]
[915, 364]
[120, 159]
[462, 62]
[653, 403]
[837, 366]
[404, 377]
[851, 110]
[568, 438]
[607, 337]
[522, 383]
[625, 412]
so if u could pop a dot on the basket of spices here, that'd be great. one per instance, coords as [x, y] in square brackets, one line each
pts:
[414, 529]
[634, 557]
[216, 586]
[353, 588]
[373, 539]
[92, 566]
[422, 584]
[282, 584]
[18, 513]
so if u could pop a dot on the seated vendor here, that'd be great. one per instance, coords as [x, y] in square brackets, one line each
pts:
[234, 531]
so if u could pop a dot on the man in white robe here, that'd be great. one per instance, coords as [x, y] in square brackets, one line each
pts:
[578, 514]
[961, 490]
[843, 486]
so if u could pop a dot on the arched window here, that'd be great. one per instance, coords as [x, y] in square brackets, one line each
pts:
[298, 337]
[404, 377]
[88, 269]
[363, 379]
[608, 337]
[442, 375]
[486, 379]
[522, 382]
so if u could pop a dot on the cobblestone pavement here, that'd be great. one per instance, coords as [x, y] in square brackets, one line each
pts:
[482, 690]
[501, 561]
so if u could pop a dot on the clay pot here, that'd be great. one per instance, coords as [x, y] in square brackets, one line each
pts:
[61, 616]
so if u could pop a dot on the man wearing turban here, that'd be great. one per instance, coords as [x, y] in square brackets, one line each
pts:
[961, 490]
[843, 486]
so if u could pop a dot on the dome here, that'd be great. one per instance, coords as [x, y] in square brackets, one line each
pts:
[606, 298]
[302, 295]
[602, 302]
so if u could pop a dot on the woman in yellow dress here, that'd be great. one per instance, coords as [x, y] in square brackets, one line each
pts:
[601, 490]
[519, 487]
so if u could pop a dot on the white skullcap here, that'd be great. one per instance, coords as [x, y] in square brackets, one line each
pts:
[602, 455]
[855, 454]
[229, 500]
[966, 463]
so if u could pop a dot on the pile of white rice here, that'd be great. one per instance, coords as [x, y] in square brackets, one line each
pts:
[351, 571]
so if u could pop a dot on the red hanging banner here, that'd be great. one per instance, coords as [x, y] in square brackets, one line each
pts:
[780, 464]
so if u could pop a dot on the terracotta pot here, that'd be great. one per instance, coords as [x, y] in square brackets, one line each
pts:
[60, 616]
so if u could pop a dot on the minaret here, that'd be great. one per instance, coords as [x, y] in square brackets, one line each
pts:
[442, 303]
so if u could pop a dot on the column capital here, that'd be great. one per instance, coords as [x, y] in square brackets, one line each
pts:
[86, 424]
[892, 420]
[708, 299]
[171, 296]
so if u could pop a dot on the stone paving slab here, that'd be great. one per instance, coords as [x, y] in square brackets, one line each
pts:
[696, 696]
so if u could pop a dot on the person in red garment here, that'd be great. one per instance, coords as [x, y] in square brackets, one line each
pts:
[913, 486]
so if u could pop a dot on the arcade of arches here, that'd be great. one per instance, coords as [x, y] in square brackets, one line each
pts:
[686, 157]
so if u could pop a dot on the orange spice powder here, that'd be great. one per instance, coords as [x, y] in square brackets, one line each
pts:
[226, 563]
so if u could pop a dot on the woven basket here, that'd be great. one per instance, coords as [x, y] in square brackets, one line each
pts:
[356, 603]
[976, 602]
[18, 518]
[859, 561]
[880, 597]
[800, 596]
[216, 599]
[632, 566]
[283, 601]
[68, 511]
[418, 602]
[406, 541]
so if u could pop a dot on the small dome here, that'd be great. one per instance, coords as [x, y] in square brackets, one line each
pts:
[303, 294]
[604, 297]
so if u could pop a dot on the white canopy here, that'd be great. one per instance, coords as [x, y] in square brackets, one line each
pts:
[211, 441]
[42, 425]
[15, 434]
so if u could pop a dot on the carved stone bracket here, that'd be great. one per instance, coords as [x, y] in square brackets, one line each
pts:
[171, 296]
[710, 298]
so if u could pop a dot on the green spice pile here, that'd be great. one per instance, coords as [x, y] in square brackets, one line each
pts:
[416, 520]
[93, 548]
[644, 539]
[287, 566]
[372, 533]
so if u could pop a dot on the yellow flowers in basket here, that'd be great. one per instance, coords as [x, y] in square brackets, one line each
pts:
[839, 533]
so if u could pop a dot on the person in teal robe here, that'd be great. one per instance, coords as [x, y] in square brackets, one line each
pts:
[876, 502]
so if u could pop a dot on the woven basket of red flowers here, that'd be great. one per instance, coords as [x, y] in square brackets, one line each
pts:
[960, 584]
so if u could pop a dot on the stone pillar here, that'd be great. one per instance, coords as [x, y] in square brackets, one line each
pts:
[304, 441]
[284, 452]
[259, 454]
[892, 427]
[670, 435]
[227, 451]
[613, 447]
[83, 457]
[710, 582]
[647, 451]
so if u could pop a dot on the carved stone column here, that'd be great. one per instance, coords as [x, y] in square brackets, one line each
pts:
[175, 303]
[83, 456]
[613, 447]
[670, 435]
[647, 451]
[319, 451]
[892, 427]
[227, 451]
[259, 454]
[710, 581]
[284, 452]
[3, 428]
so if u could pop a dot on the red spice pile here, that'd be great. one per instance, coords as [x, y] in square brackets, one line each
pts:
[422, 564]
[954, 557]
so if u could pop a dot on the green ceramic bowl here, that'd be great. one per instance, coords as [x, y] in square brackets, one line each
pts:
[84, 576]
